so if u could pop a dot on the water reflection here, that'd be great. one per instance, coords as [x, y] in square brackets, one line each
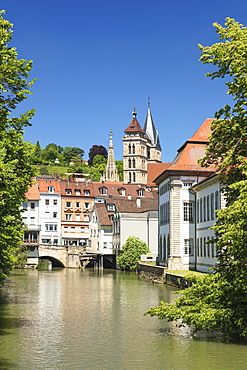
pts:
[94, 319]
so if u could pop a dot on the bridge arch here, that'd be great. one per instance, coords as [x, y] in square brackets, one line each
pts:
[55, 262]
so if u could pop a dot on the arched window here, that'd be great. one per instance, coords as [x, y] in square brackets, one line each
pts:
[129, 149]
[134, 177]
[134, 163]
[129, 163]
[133, 149]
[129, 176]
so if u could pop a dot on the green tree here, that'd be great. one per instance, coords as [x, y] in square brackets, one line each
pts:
[36, 153]
[227, 148]
[16, 171]
[219, 300]
[99, 161]
[119, 165]
[72, 154]
[94, 150]
[51, 152]
[132, 250]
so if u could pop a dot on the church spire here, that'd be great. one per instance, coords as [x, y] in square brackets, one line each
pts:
[110, 173]
[150, 129]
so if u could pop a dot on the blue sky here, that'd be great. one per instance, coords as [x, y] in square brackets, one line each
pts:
[95, 59]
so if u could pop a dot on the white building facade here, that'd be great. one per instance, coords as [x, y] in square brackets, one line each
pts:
[178, 207]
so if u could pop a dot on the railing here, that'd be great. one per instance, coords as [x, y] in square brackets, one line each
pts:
[33, 227]
[30, 242]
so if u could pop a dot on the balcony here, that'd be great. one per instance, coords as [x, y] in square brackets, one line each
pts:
[33, 227]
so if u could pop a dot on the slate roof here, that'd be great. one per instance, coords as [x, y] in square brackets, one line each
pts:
[150, 130]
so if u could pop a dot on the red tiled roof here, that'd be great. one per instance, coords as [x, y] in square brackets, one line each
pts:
[103, 214]
[204, 131]
[43, 185]
[190, 152]
[134, 126]
[114, 187]
[154, 170]
[187, 159]
[33, 193]
[130, 205]
[74, 185]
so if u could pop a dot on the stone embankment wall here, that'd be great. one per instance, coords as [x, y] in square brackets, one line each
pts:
[154, 273]
[177, 281]
[160, 274]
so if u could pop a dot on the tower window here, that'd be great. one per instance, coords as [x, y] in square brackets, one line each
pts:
[129, 163]
[133, 149]
[129, 149]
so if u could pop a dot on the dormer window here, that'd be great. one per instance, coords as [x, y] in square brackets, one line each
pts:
[110, 207]
[51, 189]
[121, 192]
[103, 191]
[77, 192]
[87, 192]
[141, 193]
[68, 191]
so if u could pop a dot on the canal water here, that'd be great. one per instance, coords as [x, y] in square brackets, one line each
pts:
[94, 319]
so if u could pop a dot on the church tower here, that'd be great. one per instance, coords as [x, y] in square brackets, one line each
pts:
[154, 147]
[135, 153]
[110, 173]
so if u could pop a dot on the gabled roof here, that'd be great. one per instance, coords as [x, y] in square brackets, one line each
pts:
[134, 125]
[33, 193]
[43, 185]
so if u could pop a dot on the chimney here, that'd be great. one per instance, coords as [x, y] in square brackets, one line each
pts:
[138, 202]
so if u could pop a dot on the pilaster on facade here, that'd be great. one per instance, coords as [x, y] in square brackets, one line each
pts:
[178, 241]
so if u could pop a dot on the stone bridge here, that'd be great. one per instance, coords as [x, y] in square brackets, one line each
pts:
[60, 256]
[66, 256]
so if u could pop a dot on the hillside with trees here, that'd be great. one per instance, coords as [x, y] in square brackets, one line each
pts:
[62, 161]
